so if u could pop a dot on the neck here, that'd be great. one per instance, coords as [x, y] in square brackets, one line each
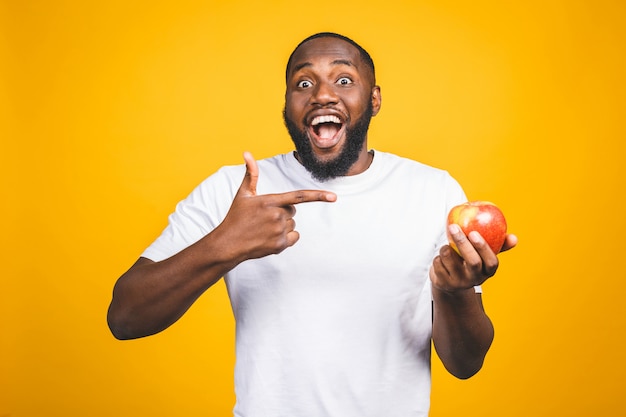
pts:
[363, 163]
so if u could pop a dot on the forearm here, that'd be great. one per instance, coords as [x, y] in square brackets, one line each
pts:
[462, 332]
[151, 296]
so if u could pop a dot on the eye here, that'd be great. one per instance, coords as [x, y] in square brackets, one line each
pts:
[344, 81]
[304, 84]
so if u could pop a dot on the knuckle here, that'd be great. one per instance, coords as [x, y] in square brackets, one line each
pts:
[292, 197]
[490, 270]
[459, 237]
[278, 244]
[290, 210]
[474, 264]
[277, 216]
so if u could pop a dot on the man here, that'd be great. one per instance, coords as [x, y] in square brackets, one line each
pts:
[334, 318]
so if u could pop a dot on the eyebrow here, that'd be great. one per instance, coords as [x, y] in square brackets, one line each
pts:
[335, 62]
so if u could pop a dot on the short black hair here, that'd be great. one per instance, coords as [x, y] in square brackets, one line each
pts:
[365, 56]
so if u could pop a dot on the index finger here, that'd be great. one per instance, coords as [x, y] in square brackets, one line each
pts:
[305, 196]
[472, 248]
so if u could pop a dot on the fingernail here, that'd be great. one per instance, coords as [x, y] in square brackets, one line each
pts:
[475, 237]
[454, 228]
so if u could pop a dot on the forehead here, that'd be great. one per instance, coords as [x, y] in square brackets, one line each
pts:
[326, 50]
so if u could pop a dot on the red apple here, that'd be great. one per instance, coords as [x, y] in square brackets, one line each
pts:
[482, 216]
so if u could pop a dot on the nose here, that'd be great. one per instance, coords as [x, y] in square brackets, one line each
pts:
[324, 94]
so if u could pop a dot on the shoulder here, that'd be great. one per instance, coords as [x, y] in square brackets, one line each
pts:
[415, 175]
[395, 162]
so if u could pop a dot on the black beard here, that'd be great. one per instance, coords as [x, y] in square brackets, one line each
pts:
[339, 166]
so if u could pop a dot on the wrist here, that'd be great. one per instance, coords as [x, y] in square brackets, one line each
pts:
[453, 292]
[456, 297]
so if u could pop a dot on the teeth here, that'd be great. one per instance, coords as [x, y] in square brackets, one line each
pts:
[325, 119]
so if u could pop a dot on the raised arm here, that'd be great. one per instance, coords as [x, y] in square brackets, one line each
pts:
[462, 331]
[151, 296]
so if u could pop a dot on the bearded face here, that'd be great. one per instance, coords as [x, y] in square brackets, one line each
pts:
[324, 170]
[330, 97]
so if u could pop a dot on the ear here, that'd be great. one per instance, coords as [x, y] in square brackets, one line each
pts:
[376, 100]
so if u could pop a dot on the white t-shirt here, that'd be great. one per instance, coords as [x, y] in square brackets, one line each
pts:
[340, 324]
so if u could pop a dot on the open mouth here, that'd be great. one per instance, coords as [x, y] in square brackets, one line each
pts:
[326, 130]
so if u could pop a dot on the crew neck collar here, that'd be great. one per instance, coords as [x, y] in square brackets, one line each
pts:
[345, 183]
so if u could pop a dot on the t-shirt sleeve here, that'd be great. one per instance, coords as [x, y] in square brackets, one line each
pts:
[195, 216]
[454, 195]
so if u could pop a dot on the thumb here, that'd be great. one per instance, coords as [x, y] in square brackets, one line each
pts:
[248, 185]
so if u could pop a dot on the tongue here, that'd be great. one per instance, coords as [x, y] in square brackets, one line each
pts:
[328, 130]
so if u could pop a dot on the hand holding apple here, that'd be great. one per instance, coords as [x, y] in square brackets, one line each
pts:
[481, 216]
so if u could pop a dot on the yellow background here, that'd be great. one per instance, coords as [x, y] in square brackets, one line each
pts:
[111, 112]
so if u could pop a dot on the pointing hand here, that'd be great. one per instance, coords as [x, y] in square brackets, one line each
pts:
[261, 225]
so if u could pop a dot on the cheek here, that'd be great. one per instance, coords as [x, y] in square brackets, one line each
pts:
[357, 104]
[294, 106]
